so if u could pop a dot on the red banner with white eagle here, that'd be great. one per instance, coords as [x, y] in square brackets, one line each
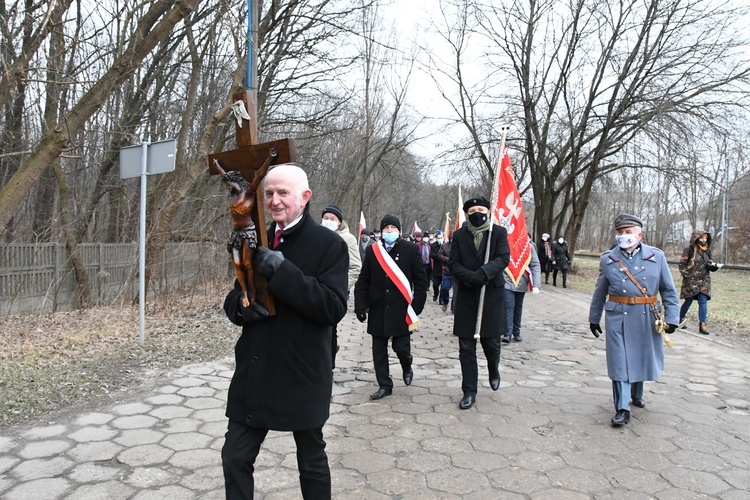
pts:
[509, 213]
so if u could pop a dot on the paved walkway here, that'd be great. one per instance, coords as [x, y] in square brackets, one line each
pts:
[544, 434]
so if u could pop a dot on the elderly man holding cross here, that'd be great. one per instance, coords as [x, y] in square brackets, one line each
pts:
[283, 379]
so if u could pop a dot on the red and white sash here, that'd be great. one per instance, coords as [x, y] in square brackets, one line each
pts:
[399, 279]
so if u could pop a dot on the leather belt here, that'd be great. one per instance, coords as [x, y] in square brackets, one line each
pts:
[632, 300]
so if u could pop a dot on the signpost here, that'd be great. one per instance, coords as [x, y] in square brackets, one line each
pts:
[141, 161]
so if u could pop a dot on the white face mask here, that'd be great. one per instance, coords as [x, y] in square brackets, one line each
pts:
[332, 225]
[440, 240]
[561, 241]
[425, 239]
[626, 241]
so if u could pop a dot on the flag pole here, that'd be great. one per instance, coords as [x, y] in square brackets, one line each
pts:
[493, 204]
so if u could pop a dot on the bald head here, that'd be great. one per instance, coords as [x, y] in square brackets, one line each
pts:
[286, 192]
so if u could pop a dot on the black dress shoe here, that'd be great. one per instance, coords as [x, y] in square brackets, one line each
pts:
[408, 376]
[381, 393]
[506, 339]
[467, 402]
[622, 417]
[494, 383]
[518, 338]
[639, 402]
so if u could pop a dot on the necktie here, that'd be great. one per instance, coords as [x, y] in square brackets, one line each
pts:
[277, 237]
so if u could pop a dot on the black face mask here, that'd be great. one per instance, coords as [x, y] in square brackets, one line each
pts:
[477, 219]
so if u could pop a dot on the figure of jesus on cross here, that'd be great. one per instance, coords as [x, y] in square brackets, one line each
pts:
[244, 238]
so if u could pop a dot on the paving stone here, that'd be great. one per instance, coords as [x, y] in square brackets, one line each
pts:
[37, 468]
[140, 456]
[94, 473]
[368, 461]
[39, 489]
[132, 409]
[170, 412]
[197, 458]
[134, 437]
[39, 449]
[149, 477]
[94, 418]
[6, 443]
[164, 399]
[46, 432]
[396, 482]
[92, 452]
[457, 481]
[108, 490]
[134, 422]
[173, 492]
[91, 433]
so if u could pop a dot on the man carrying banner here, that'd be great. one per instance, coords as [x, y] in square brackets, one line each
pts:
[472, 268]
[392, 289]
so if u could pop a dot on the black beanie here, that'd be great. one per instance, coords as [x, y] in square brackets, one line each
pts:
[335, 210]
[390, 220]
[479, 201]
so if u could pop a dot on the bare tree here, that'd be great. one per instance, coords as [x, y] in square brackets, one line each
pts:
[588, 77]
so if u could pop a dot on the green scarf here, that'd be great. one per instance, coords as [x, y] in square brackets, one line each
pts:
[478, 232]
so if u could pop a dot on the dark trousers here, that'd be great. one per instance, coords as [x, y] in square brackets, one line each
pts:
[401, 346]
[564, 277]
[445, 289]
[242, 445]
[467, 355]
[334, 346]
[437, 280]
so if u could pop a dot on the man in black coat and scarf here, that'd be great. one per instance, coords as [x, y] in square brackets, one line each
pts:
[283, 378]
[392, 289]
[470, 273]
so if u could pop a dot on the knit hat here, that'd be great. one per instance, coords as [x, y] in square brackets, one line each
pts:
[366, 231]
[390, 220]
[438, 233]
[335, 210]
[480, 201]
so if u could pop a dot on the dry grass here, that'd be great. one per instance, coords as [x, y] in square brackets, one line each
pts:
[49, 362]
[727, 310]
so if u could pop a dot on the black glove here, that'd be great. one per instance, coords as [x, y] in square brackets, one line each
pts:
[711, 266]
[254, 312]
[478, 278]
[266, 261]
[670, 328]
[595, 329]
[361, 316]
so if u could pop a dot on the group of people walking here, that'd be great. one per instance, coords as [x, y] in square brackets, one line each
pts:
[283, 376]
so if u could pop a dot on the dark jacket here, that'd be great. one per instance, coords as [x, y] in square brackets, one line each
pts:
[464, 260]
[377, 295]
[443, 255]
[545, 261]
[694, 267]
[283, 377]
[437, 266]
[560, 255]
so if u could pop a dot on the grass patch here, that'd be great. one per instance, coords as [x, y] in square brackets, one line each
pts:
[727, 309]
[54, 361]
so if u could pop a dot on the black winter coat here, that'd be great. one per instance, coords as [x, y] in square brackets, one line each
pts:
[560, 255]
[464, 260]
[377, 295]
[283, 377]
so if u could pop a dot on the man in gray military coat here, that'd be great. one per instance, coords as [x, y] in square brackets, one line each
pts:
[635, 349]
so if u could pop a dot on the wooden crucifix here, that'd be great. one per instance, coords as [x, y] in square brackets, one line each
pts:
[251, 161]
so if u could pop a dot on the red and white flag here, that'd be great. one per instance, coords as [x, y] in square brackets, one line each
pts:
[447, 228]
[509, 213]
[362, 224]
[416, 229]
[460, 216]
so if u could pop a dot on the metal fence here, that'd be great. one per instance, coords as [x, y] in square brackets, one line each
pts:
[38, 277]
